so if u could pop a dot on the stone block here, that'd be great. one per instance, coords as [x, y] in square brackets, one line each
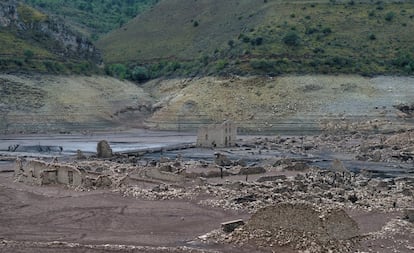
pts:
[230, 226]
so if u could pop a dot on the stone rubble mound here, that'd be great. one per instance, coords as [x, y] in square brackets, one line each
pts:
[300, 226]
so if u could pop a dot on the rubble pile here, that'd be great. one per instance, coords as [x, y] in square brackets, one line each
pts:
[399, 231]
[406, 110]
[159, 192]
[397, 146]
[333, 189]
[299, 226]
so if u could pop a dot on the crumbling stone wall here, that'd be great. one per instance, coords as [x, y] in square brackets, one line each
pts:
[40, 172]
[155, 173]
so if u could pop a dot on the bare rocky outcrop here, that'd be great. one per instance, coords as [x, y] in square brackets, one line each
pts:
[69, 44]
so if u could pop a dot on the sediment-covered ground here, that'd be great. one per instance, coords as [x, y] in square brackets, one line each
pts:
[308, 103]
[334, 193]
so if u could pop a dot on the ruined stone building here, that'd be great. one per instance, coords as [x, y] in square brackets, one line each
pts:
[217, 135]
[45, 173]
[42, 173]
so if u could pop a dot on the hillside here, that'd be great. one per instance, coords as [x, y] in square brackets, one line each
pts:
[92, 18]
[55, 103]
[269, 37]
[30, 41]
[294, 104]
[289, 104]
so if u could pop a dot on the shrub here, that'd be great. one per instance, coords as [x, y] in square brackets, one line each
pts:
[404, 61]
[263, 64]
[28, 55]
[339, 62]
[117, 70]
[140, 74]
[53, 67]
[221, 64]
[372, 37]
[244, 38]
[327, 31]
[257, 41]
[389, 16]
[311, 30]
[292, 39]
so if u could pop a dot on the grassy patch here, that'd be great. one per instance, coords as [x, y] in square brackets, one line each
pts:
[30, 15]
[93, 17]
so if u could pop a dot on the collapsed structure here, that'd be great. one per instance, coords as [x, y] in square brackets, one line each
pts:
[40, 172]
[217, 135]
[44, 173]
[301, 226]
[324, 225]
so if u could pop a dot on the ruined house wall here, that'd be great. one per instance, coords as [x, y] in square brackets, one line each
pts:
[217, 135]
[30, 171]
[48, 177]
[63, 175]
[155, 173]
[40, 172]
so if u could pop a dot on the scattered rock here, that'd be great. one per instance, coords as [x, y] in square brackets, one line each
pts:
[271, 178]
[221, 160]
[252, 170]
[299, 166]
[80, 155]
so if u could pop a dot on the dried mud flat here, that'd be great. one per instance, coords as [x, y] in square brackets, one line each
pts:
[184, 214]
[56, 219]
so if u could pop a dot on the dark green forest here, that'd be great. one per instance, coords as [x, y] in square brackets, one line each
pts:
[93, 17]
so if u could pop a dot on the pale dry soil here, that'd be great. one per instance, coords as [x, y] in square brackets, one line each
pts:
[32, 214]
[44, 103]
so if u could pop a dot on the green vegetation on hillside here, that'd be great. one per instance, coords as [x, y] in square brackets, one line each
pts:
[30, 15]
[93, 17]
[19, 54]
[26, 45]
[267, 37]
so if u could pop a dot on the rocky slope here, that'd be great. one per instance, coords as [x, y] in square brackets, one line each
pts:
[32, 41]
